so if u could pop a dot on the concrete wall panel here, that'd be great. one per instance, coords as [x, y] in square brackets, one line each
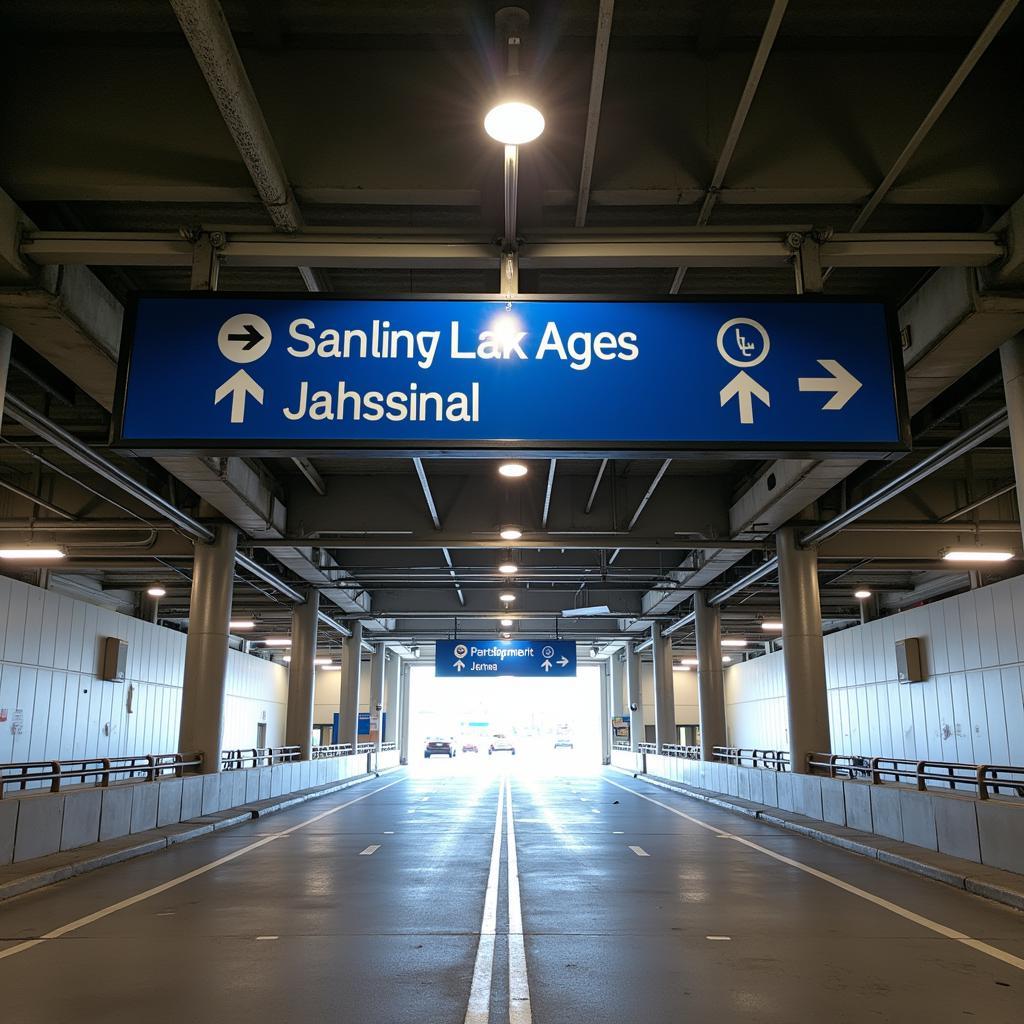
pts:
[211, 793]
[886, 816]
[40, 819]
[917, 811]
[807, 795]
[8, 829]
[116, 813]
[81, 818]
[144, 804]
[168, 804]
[858, 806]
[191, 797]
[1001, 833]
[956, 826]
[833, 801]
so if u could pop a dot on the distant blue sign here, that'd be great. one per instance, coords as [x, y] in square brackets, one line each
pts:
[460, 659]
[256, 373]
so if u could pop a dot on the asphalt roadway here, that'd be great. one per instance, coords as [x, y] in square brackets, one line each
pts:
[486, 890]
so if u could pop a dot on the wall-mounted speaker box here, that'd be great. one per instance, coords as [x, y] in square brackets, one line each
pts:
[115, 658]
[909, 664]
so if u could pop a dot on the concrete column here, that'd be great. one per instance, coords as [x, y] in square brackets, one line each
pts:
[403, 714]
[664, 689]
[1011, 353]
[377, 666]
[869, 609]
[606, 713]
[352, 653]
[710, 678]
[302, 674]
[803, 651]
[391, 695]
[634, 696]
[620, 702]
[206, 650]
[6, 337]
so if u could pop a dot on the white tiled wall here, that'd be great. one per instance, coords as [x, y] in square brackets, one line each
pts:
[49, 659]
[971, 708]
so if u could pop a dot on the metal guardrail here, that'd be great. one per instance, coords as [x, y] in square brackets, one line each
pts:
[332, 750]
[101, 770]
[257, 757]
[982, 778]
[621, 746]
[775, 760]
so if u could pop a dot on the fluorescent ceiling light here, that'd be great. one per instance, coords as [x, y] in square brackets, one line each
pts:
[323, 662]
[580, 613]
[688, 661]
[511, 533]
[772, 627]
[156, 592]
[514, 123]
[31, 554]
[278, 641]
[977, 555]
[508, 568]
[512, 469]
[242, 624]
[862, 595]
[506, 622]
[734, 643]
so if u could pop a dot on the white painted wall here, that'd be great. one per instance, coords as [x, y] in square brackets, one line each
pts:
[971, 708]
[685, 692]
[327, 692]
[49, 659]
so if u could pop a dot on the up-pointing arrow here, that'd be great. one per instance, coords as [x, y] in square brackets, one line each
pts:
[744, 389]
[842, 383]
[546, 665]
[459, 665]
[238, 386]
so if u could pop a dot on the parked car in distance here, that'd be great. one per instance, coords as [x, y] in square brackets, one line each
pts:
[501, 744]
[470, 748]
[439, 746]
[562, 743]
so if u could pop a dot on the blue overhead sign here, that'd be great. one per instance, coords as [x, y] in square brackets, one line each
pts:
[204, 371]
[464, 659]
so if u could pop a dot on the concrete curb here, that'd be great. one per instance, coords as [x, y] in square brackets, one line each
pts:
[993, 883]
[60, 866]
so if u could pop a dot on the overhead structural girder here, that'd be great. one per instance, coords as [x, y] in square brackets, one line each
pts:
[699, 247]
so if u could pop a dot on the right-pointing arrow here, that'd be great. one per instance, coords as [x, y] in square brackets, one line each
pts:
[238, 386]
[842, 384]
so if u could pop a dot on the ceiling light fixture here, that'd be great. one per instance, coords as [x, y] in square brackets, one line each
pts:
[976, 555]
[278, 641]
[508, 568]
[512, 469]
[862, 595]
[31, 554]
[772, 627]
[514, 123]
[507, 598]
[506, 622]
[156, 591]
[511, 533]
[506, 636]
[734, 643]
[242, 624]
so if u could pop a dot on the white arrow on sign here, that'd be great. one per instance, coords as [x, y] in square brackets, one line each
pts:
[459, 665]
[745, 389]
[546, 665]
[238, 386]
[842, 383]
[563, 661]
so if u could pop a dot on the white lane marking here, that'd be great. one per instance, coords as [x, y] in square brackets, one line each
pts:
[370, 851]
[520, 1010]
[266, 938]
[479, 1009]
[718, 938]
[618, 832]
[173, 883]
[594, 810]
[878, 901]
[640, 851]
[387, 833]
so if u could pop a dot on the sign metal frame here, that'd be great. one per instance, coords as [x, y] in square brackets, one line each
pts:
[509, 447]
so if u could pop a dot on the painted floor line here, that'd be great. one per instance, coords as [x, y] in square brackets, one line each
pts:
[173, 883]
[520, 1009]
[640, 851]
[369, 851]
[478, 1011]
[878, 901]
